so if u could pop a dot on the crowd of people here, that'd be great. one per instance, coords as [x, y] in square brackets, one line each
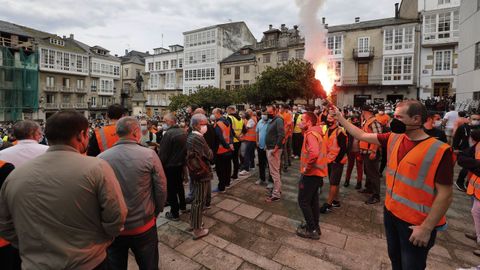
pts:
[96, 190]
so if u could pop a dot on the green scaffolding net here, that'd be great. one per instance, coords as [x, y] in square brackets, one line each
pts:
[18, 83]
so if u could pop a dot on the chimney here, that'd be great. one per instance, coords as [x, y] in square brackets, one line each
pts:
[147, 52]
[323, 20]
[397, 11]
[126, 51]
[295, 27]
[64, 37]
[72, 36]
[116, 55]
[357, 19]
[270, 27]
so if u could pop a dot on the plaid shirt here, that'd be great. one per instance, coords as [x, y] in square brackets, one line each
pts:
[376, 128]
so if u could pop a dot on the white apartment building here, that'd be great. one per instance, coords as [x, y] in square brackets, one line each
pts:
[205, 48]
[439, 47]
[164, 72]
[468, 85]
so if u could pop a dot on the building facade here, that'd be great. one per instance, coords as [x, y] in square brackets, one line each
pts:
[164, 78]
[439, 47]
[468, 84]
[103, 82]
[375, 61]
[205, 48]
[276, 48]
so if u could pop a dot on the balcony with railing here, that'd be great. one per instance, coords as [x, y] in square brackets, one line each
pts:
[363, 53]
[51, 89]
[80, 90]
[66, 106]
[361, 80]
[81, 105]
[52, 106]
[66, 89]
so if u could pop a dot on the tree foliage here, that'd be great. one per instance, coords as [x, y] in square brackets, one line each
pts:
[293, 80]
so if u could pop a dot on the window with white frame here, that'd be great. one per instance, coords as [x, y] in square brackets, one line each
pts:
[158, 65]
[106, 85]
[334, 45]
[199, 74]
[150, 66]
[180, 63]
[398, 68]
[444, 25]
[299, 54]
[50, 81]
[173, 63]
[363, 44]
[441, 25]
[443, 60]
[80, 84]
[170, 80]
[154, 81]
[165, 64]
[399, 38]
[337, 66]
[429, 27]
[442, 2]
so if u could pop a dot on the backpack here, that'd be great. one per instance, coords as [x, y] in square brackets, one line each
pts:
[197, 167]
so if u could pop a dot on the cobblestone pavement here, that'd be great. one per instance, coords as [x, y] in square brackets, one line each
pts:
[247, 233]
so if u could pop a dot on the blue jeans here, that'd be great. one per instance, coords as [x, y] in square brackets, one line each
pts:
[249, 155]
[144, 246]
[403, 254]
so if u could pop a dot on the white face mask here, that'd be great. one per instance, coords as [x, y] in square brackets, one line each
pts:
[437, 123]
[203, 129]
[475, 122]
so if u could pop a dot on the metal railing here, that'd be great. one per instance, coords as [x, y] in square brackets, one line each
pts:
[66, 89]
[362, 80]
[363, 53]
[52, 106]
[50, 89]
[66, 105]
[81, 105]
[81, 90]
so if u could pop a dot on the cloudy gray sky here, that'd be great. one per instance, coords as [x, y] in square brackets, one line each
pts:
[139, 24]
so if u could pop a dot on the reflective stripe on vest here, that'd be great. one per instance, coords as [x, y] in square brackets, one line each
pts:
[366, 127]
[410, 189]
[320, 166]
[226, 137]
[106, 137]
[251, 134]
[333, 149]
[474, 180]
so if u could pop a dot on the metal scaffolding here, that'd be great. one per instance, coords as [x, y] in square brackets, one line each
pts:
[18, 83]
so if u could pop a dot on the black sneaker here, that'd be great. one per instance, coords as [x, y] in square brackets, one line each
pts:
[358, 185]
[326, 208]
[170, 216]
[335, 203]
[272, 199]
[373, 200]
[460, 186]
[346, 184]
[304, 233]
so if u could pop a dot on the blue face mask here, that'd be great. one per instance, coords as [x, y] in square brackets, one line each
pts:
[165, 126]
[264, 117]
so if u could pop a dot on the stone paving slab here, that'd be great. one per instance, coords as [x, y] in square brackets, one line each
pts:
[299, 260]
[247, 211]
[253, 257]
[217, 259]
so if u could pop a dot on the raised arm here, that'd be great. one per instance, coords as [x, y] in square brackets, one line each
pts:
[353, 130]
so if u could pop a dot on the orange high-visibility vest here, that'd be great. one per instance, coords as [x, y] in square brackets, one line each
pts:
[410, 184]
[106, 137]
[473, 179]
[320, 166]
[333, 149]
[251, 134]
[226, 137]
[3, 242]
[367, 128]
